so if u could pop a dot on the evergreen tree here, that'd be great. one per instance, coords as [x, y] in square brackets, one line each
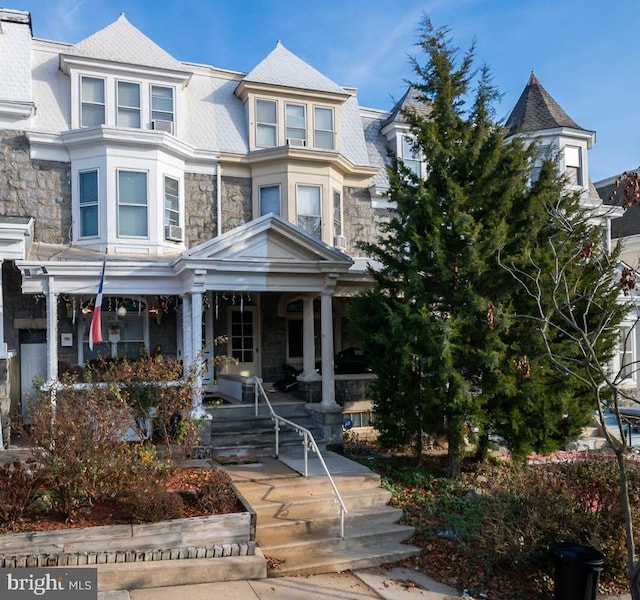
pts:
[440, 323]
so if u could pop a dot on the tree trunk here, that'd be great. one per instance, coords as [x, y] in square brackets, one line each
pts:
[455, 444]
[482, 449]
[628, 523]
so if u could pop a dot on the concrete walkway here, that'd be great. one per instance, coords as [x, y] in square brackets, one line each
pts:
[396, 584]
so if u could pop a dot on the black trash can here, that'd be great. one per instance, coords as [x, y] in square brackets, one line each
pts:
[577, 571]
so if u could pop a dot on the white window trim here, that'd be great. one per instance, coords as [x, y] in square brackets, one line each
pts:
[126, 108]
[82, 102]
[173, 104]
[274, 126]
[177, 211]
[304, 118]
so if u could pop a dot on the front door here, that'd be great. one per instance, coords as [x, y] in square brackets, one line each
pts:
[33, 364]
[243, 341]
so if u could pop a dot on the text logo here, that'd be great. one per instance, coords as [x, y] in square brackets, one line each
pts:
[51, 584]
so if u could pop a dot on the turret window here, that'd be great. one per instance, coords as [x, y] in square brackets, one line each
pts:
[573, 164]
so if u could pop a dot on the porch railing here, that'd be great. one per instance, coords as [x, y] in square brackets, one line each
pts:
[308, 443]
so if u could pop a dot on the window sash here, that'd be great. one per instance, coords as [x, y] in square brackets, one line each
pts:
[323, 133]
[129, 104]
[88, 202]
[269, 199]
[171, 201]
[132, 204]
[266, 123]
[337, 213]
[92, 103]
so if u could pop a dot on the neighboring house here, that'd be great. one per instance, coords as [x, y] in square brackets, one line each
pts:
[226, 204]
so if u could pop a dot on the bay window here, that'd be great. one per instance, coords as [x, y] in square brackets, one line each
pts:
[92, 103]
[162, 107]
[88, 201]
[310, 209]
[132, 204]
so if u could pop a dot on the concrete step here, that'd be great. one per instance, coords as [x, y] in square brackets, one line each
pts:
[340, 556]
[321, 504]
[319, 534]
[291, 488]
[139, 575]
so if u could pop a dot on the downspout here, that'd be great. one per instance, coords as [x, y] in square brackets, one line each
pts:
[219, 199]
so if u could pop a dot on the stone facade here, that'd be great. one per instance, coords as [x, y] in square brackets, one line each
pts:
[35, 188]
[361, 221]
[200, 214]
[236, 202]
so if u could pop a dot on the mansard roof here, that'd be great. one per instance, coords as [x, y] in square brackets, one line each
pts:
[283, 68]
[121, 42]
[536, 110]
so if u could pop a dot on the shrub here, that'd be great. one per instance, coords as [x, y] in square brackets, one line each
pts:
[20, 486]
[217, 495]
[152, 504]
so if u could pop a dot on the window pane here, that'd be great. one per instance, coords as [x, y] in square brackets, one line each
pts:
[324, 119]
[265, 111]
[270, 200]
[89, 221]
[266, 136]
[324, 140]
[572, 156]
[89, 187]
[129, 118]
[171, 193]
[128, 94]
[308, 200]
[312, 225]
[92, 115]
[161, 103]
[93, 90]
[133, 221]
[132, 187]
[296, 122]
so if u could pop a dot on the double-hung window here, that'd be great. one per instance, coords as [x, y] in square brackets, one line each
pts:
[266, 123]
[88, 201]
[337, 216]
[162, 106]
[269, 199]
[92, 104]
[128, 104]
[171, 201]
[296, 124]
[132, 204]
[323, 134]
[573, 164]
[309, 209]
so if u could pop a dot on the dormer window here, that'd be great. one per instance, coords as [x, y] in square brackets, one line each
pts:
[296, 124]
[573, 164]
[92, 111]
[323, 133]
[128, 104]
[266, 123]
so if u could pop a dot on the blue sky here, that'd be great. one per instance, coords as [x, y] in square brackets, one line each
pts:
[584, 52]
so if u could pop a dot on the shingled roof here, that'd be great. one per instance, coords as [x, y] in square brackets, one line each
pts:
[121, 42]
[283, 68]
[411, 101]
[536, 110]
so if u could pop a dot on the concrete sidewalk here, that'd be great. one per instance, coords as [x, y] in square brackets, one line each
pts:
[394, 584]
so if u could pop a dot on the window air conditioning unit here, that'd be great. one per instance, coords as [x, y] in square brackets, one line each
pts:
[340, 242]
[161, 125]
[173, 233]
[296, 142]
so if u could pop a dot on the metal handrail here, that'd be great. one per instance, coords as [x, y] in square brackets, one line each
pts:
[308, 441]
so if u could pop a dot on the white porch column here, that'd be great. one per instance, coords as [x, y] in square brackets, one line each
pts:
[187, 336]
[328, 375]
[308, 341]
[52, 331]
[3, 344]
[196, 340]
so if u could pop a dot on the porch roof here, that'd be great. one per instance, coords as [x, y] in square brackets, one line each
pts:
[266, 254]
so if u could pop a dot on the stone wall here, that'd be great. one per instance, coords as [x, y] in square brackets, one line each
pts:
[236, 202]
[35, 188]
[362, 221]
[200, 217]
